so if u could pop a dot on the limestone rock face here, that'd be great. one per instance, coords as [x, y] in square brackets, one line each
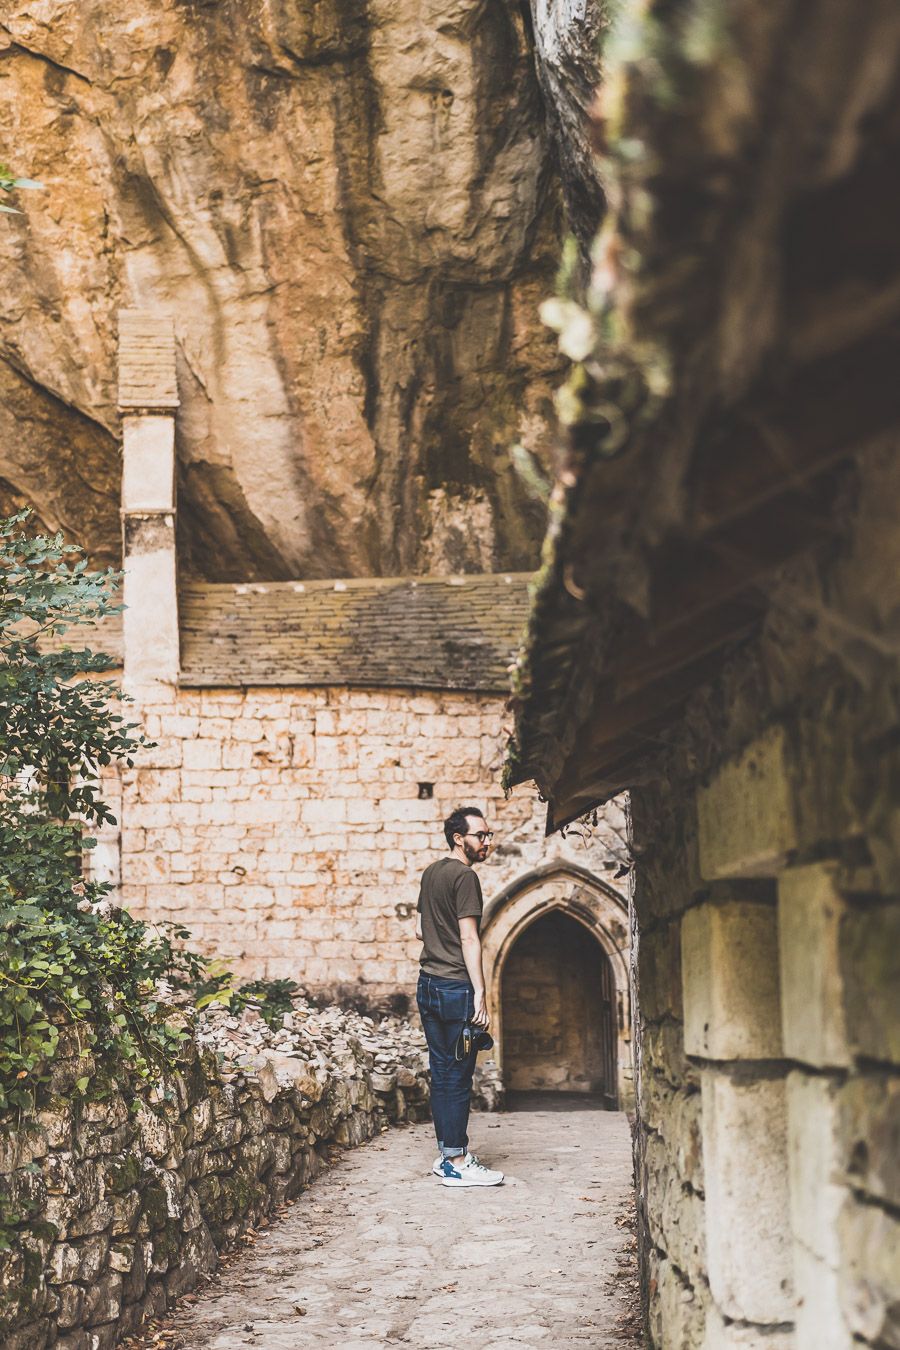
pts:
[567, 39]
[350, 210]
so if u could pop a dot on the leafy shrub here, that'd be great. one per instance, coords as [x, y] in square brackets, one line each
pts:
[216, 986]
[67, 955]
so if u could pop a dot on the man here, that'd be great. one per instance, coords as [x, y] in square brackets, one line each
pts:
[451, 992]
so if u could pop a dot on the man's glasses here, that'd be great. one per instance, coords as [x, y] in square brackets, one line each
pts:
[482, 835]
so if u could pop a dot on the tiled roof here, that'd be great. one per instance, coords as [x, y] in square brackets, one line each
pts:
[427, 632]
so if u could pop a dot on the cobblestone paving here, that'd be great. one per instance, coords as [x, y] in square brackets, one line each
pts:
[377, 1252]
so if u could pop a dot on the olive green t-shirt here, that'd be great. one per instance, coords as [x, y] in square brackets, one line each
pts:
[450, 891]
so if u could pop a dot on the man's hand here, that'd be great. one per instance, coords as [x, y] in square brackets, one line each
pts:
[480, 1016]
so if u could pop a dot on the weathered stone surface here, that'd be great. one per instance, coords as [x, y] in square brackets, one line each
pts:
[869, 1281]
[677, 1312]
[676, 1211]
[810, 913]
[729, 965]
[103, 1300]
[659, 973]
[721, 1335]
[747, 1220]
[568, 40]
[675, 1116]
[817, 1194]
[817, 1197]
[870, 965]
[351, 217]
[746, 814]
[820, 1323]
[868, 1132]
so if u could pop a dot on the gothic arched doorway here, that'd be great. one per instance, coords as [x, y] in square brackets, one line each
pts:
[558, 1001]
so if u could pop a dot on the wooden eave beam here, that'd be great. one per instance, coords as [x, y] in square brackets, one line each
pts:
[649, 658]
[693, 576]
[826, 411]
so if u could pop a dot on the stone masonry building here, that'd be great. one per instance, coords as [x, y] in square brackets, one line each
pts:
[308, 740]
[717, 631]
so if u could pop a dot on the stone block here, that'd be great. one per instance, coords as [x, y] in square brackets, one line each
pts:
[146, 360]
[868, 1132]
[148, 463]
[675, 1212]
[165, 754]
[676, 1313]
[816, 1194]
[719, 1334]
[819, 1322]
[810, 912]
[327, 812]
[659, 973]
[202, 754]
[817, 1198]
[729, 965]
[150, 617]
[746, 817]
[869, 1277]
[870, 965]
[748, 1235]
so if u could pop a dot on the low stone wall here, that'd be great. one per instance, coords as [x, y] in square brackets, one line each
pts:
[114, 1208]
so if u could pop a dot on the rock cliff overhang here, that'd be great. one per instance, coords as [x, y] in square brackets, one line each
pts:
[743, 325]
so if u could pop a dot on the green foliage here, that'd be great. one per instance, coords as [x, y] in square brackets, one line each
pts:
[272, 997]
[68, 957]
[10, 183]
[217, 987]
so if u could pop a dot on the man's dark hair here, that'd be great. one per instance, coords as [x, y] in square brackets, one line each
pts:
[457, 823]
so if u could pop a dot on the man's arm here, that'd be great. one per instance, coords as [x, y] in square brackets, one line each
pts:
[471, 949]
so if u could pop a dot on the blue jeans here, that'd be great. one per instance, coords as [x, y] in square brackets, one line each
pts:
[445, 1006]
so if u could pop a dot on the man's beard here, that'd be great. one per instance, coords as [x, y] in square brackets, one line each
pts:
[473, 854]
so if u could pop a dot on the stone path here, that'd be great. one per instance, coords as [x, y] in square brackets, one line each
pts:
[376, 1253]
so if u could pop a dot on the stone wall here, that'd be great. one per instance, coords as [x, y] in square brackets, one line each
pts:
[287, 828]
[768, 969]
[116, 1207]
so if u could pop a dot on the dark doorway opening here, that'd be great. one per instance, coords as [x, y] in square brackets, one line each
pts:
[559, 1012]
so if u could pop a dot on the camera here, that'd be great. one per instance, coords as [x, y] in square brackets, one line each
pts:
[472, 1039]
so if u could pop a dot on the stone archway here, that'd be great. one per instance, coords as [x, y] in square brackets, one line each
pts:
[559, 1011]
[567, 895]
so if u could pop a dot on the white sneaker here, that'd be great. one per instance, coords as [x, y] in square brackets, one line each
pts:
[438, 1165]
[471, 1173]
